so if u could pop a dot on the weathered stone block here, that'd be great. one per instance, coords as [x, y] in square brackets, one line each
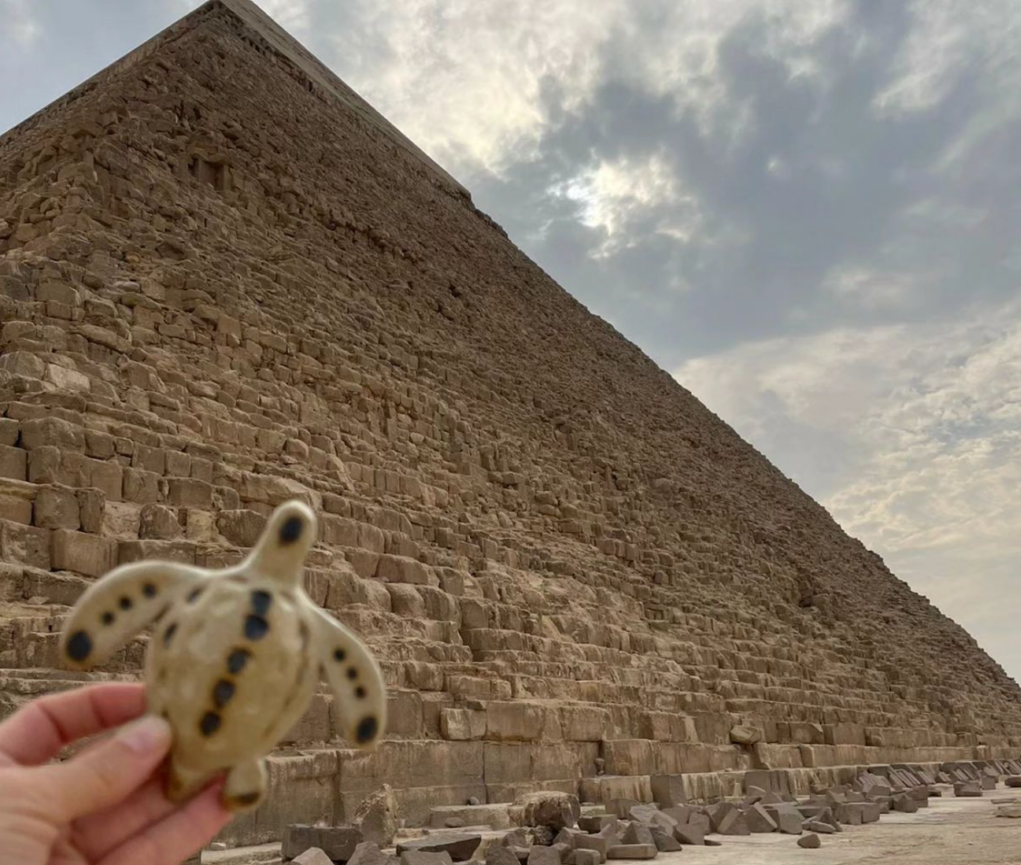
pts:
[189, 493]
[668, 790]
[459, 847]
[57, 508]
[24, 545]
[632, 851]
[52, 432]
[13, 463]
[91, 555]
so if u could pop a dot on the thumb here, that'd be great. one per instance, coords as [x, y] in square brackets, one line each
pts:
[109, 772]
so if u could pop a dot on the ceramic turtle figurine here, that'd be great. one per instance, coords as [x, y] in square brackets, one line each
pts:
[235, 656]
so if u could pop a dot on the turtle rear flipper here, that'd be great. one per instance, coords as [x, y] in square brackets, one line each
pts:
[355, 680]
[117, 607]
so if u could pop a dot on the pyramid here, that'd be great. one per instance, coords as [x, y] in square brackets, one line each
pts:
[226, 281]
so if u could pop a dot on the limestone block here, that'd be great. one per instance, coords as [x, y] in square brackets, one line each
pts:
[9, 430]
[554, 809]
[107, 476]
[57, 508]
[22, 544]
[398, 569]
[51, 465]
[337, 842]
[91, 555]
[517, 721]
[459, 847]
[462, 724]
[174, 551]
[157, 522]
[368, 853]
[240, 527]
[584, 723]
[632, 851]
[404, 714]
[376, 817]
[668, 790]
[141, 487]
[189, 493]
[91, 509]
[13, 463]
[420, 857]
[52, 432]
[539, 855]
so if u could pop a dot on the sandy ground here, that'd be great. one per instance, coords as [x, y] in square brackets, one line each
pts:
[950, 831]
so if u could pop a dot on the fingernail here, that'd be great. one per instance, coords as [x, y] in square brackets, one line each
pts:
[146, 735]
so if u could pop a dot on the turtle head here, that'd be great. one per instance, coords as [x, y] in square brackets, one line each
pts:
[285, 542]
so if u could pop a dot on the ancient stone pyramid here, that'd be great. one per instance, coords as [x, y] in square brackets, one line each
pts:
[226, 281]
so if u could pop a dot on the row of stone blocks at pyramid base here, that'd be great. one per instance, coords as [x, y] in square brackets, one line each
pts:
[757, 801]
[328, 785]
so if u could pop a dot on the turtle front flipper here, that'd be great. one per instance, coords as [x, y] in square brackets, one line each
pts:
[117, 607]
[355, 679]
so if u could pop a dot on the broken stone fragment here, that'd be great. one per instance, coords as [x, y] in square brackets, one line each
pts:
[376, 817]
[459, 847]
[632, 851]
[759, 820]
[637, 833]
[313, 856]
[968, 788]
[810, 842]
[745, 735]
[551, 808]
[497, 854]
[368, 853]
[337, 842]
[543, 856]
[422, 857]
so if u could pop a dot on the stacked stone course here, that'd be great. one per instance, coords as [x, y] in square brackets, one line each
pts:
[225, 282]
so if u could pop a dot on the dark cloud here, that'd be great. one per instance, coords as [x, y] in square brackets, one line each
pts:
[844, 174]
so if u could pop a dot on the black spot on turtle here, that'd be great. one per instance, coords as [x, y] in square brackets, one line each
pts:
[291, 530]
[367, 729]
[125, 603]
[108, 618]
[168, 634]
[209, 724]
[195, 594]
[261, 602]
[360, 692]
[79, 647]
[149, 590]
[256, 627]
[237, 659]
[339, 654]
[352, 673]
[222, 692]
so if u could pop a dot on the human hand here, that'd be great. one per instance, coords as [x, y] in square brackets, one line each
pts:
[103, 806]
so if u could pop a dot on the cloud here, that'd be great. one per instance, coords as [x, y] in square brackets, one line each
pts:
[20, 25]
[472, 82]
[909, 435]
[943, 44]
[292, 15]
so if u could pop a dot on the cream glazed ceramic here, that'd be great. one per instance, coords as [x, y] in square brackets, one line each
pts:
[235, 656]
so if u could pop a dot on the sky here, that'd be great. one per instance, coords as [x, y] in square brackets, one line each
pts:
[808, 212]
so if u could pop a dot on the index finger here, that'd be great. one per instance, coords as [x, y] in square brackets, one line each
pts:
[37, 732]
